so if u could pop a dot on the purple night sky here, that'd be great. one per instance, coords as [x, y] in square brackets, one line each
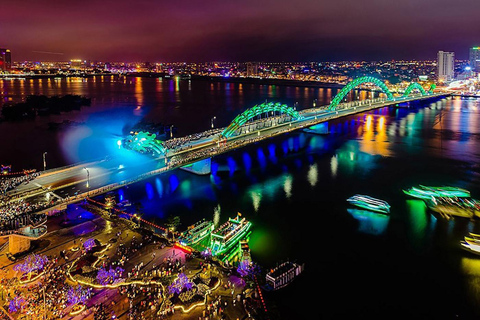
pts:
[266, 30]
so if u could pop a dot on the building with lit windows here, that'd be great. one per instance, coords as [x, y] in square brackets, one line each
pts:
[5, 60]
[445, 66]
[474, 58]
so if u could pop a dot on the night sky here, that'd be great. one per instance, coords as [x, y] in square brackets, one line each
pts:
[247, 30]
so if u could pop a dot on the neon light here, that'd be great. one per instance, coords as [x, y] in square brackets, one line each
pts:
[369, 203]
[228, 234]
[257, 110]
[414, 86]
[354, 84]
[183, 247]
[424, 192]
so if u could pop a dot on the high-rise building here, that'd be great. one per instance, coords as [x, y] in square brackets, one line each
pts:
[252, 69]
[475, 58]
[5, 59]
[445, 65]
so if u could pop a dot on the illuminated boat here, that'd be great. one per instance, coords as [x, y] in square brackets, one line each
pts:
[472, 241]
[423, 192]
[228, 234]
[196, 233]
[282, 275]
[460, 207]
[474, 248]
[475, 235]
[369, 203]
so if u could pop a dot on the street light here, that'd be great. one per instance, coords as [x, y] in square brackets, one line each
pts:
[44, 161]
[211, 121]
[88, 179]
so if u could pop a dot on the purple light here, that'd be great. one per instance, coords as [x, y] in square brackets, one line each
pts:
[181, 283]
[16, 304]
[34, 262]
[78, 295]
[89, 244]
[111, 276]
[247, 268]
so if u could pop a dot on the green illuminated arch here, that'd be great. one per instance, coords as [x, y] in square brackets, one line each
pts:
[432, 87]
[255, 111]
[355, 83]
[413, 86]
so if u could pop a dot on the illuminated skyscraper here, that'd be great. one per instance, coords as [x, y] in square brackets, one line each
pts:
[475, 58]
[252, 69]
[445, 65]
[5, 60]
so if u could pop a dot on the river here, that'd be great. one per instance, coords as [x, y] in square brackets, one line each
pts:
[293, 188]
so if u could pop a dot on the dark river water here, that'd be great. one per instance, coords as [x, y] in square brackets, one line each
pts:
[293, 188]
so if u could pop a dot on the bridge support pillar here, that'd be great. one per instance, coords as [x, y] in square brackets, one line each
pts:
[18, 244]
[201, 167]
[321, 128]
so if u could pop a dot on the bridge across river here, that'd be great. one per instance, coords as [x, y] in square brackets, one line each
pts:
[66, 185]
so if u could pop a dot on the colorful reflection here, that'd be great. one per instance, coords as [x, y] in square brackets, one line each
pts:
[370, 222]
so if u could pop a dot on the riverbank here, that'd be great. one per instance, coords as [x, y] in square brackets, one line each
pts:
[150, 265]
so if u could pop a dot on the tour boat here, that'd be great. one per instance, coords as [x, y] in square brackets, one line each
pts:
[196, 232]
[460, 207]
[282, 275]
[423, 192]
[472, 247]
[369, 203]
[228, 234]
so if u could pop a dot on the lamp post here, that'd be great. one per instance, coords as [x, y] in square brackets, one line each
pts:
[88, 179]
[44, 161]
[211, 121]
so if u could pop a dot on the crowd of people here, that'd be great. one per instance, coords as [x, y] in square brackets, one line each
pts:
[20, 213]
[7, 184]
[47, 297]
[176, 142]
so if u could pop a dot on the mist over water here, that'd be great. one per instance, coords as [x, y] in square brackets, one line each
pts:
[294, 189]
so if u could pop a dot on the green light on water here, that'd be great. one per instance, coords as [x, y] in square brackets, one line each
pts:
[418, 216]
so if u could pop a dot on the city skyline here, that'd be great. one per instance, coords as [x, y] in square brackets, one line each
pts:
[214, 31]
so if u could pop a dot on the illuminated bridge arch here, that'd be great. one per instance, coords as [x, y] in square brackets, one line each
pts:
[354, 84]
[413, 86]
[257, 110]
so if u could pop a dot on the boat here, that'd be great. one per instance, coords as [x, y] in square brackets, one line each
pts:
[283, 275]
[196, 232]
[473, 248]
[460, 207]
[424, 192]
[369, 203]
[228, 234]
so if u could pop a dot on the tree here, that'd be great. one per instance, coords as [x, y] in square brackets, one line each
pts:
[172, 223]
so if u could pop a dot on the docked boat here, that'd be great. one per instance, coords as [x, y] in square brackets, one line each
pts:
[283, 275]
[195, 233]
[424, 192]
[228, 234]
[369, 203]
